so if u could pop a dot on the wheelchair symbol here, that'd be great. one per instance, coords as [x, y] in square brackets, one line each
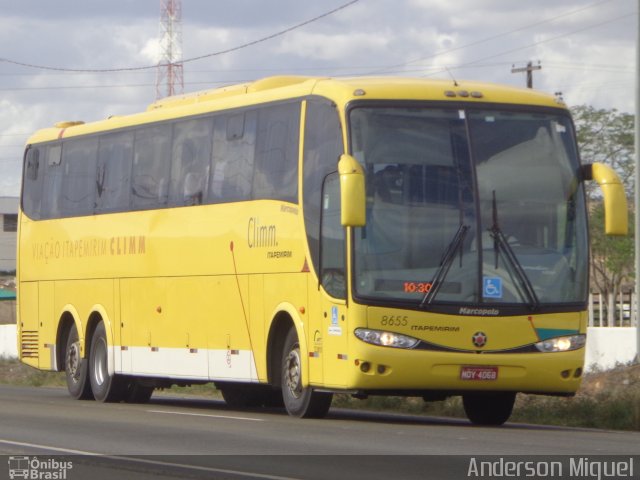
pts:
[492, 287]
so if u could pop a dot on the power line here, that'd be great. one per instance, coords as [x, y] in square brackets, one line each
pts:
[435, 69]
[540, 42]
[93, 87]
[622, 69]
[494, 37]
[188, 60]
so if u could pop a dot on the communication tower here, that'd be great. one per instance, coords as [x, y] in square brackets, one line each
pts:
[169, 78]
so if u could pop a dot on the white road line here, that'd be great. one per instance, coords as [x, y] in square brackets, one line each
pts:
[169, 412]
[47, 447]
[146, 461]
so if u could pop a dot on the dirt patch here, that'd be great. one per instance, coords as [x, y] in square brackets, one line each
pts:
[612, 381]
[7, 312]
[7, 307]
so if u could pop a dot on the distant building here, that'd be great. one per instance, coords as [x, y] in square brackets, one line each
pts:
[8, 233]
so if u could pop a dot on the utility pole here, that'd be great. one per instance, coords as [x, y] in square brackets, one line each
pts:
[169, 78]
[637, 189]
[529, 69]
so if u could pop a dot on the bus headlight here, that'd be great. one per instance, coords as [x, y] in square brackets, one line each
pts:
[562, 344]
[385, 339]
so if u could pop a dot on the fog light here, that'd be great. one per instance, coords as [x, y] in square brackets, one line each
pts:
[565, 373]
[365, 367]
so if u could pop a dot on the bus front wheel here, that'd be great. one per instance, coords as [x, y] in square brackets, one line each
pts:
[488, 408]
[75, 368]
[299, 401]
[105, 387]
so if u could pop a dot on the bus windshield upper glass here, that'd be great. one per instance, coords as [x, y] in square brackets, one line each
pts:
[477, 207]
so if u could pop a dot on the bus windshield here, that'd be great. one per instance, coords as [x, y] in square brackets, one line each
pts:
[469, 207]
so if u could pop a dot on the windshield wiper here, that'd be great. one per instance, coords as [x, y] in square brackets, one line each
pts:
[501, 244]
[445, 264]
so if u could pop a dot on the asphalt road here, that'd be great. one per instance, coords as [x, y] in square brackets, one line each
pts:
[173, 437]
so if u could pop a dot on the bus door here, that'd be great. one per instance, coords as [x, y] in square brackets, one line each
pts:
[333, 282]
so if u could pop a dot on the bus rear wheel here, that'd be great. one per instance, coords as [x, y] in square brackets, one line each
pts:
[105, 387]
[75, 368]
[488, 408]
[299, 401]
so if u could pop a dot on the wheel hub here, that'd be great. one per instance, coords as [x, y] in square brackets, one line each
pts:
[292, 372]
[100, 363]
[73, 361]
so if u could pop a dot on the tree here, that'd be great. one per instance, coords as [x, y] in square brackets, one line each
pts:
[607, 136]
[612, 260]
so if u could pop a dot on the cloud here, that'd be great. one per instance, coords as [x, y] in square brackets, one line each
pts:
[152, 50]
[586, 49]
[335, 47]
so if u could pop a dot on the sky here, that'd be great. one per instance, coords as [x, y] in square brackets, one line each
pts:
[585, 48]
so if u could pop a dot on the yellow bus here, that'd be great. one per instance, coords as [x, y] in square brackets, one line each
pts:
[296, 237]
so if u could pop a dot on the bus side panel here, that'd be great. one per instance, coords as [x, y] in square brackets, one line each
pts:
[188, 311]
[28, 324]
[315, 332]
[230, 355]
[258, 324]
[187, 327]
[48, 326]
[336, 359]
[142, 302]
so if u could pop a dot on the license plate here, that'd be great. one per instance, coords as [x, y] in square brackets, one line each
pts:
[479, 374]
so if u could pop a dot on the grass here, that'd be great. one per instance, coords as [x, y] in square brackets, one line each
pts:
[607, 400]
[13, 372]
[618, 410]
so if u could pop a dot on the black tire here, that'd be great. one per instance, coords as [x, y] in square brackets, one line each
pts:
[488, 408]
[273, 398]
[299, 401]
[105, 387]
[76, 368]
[137, 392]
[247, 396]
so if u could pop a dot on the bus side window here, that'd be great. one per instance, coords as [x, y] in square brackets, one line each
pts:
[151, 167]
[322, 148]
[190, 162]
[276, 165]
[78, 181]
[234, 142]
[32, 188]
[113, 175]
[52, 182]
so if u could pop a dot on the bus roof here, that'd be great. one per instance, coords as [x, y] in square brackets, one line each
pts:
[339, 90]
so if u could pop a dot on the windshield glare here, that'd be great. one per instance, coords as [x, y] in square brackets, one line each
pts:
[482, 206]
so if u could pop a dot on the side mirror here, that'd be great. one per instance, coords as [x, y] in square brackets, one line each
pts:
[615, 200]
[352, 192]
